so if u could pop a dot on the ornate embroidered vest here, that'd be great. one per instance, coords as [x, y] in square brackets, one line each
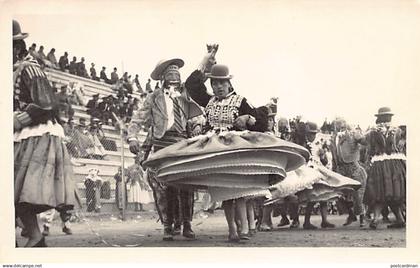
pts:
[222, 113]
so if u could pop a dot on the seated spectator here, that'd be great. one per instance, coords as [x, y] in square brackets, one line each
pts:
[32, 51]
[63, 102]
[123, 108]
[135, 104]
[63, 62]
[52, 59]
[107, 109]
[137, 82]
[125, 77]
[148, 86]
[81, 68]
[73, 66]
[71, 139]
[95, 134]
[77, 96]
[142, 99]
[41, 55]
[130, 109]
[129, 85]
[104, 77]
[114, 76]
[93, 72]
[82, 143]
[93, 107]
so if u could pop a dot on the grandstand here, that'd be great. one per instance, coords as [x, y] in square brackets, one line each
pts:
[109, 166]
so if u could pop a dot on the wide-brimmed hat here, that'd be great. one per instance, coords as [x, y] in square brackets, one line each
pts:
[384, 111]
[219, 71]
[163, 65]
[17, 32]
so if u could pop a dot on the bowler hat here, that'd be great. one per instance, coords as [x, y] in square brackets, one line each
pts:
[163, 65]
[17, 33]
[384, 111]
[219, 71]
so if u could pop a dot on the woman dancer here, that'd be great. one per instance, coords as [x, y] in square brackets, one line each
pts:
[43, 174]
[386, 183]
[230, 164]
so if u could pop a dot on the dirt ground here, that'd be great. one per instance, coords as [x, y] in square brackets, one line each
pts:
[143, 230]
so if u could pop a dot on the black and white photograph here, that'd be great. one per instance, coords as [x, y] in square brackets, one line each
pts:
[215, 125]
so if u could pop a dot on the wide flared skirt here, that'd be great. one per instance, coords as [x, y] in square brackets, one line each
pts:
[229, 165]
[386, 182]
[313, 184]
[43, 174]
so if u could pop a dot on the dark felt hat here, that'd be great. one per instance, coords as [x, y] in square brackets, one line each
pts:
[219, 71]
[384, 111]
[17, 32]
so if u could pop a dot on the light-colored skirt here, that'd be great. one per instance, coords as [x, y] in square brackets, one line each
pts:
[138, 195]
[313, 184]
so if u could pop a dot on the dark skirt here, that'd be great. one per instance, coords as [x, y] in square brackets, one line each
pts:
[43, 175]
[386, 183]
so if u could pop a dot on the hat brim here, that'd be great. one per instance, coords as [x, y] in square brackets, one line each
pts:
[227, 77]
[272, 115]
[161, 66]
[20, 36]
[383, 114]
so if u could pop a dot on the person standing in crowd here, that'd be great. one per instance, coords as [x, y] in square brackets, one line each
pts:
[93, 185]
[73, 66]
[43, 177]
[137, 82]
[52, 59]
[166, 112]
[386, 183]
[63, 62]
[309, 137]
[345, 148]
[402, 143]
[118, 189]
[93, 72]
[139, 190]
[114, 77]
[288, 204]
[148, 86]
